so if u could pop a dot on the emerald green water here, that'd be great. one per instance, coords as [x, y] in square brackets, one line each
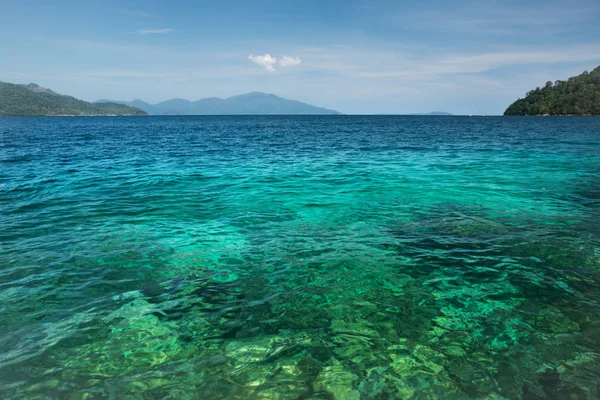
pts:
[300, 258]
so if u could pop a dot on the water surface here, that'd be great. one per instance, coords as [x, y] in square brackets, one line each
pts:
[300, 257]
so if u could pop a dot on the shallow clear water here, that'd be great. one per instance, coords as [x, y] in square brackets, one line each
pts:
[300, 257]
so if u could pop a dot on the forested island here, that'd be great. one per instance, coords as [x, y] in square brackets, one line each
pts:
[32, 99]
[579, 95]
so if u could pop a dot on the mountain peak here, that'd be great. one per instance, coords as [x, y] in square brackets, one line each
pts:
[254, 95]
[37, 88]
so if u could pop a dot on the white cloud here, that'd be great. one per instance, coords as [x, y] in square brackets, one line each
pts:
[289, 61]
[266, 61]
[154, 31]
[486, 61]
[421, 65]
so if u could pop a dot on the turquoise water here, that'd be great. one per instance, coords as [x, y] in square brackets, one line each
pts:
[300, 258]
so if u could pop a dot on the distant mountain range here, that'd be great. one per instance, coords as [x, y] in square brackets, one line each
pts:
[32, 99]
[434, 113]
[254, 103]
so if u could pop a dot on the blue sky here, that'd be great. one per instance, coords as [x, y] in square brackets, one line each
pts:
[472, 57]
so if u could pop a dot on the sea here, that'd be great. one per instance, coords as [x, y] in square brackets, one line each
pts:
[300, 257]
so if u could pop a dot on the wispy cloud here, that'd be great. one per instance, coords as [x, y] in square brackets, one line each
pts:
[415, 67]
[428, 63]
[155, 31]
[487, 61]
[289, 61]
[266, 61]
[493, 18]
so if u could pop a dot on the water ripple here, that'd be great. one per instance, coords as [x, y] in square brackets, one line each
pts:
[299, 257]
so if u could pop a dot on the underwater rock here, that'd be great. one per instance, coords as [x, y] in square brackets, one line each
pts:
[320, 352]
[358, 351]
[454, 351]
[573, 378]
[137, 309]
[281, 391]
[374, 384]
[403, 365]
[420, 373]
[422, 359]
[580, 360]
[554, 321]
[249, 351]
[257, 360]
[429, 358]
[472, 378]
[338, 382]
[309, 368]
[355, 328]
[285, 381]
[135, 339]
[451, 322]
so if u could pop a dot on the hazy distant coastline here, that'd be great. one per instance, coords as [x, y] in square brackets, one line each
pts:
[432, 113]
[255, 103]
[34, 100]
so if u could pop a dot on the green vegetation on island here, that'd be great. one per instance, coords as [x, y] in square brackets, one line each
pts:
[32, 99]
[579, 95]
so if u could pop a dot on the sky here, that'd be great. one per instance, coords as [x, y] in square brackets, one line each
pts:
[357, 57]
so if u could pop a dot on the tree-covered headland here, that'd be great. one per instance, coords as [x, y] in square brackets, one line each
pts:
[579, 95]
